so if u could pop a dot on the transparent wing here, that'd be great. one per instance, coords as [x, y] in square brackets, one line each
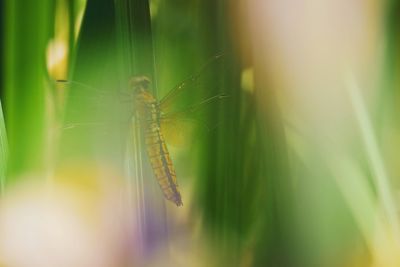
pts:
[198, 86]
[181, 128]
[178, 133]
[187, 110]
[190, 110]
[84, 106]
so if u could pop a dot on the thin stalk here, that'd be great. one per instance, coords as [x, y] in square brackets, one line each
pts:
[3, 152]
[374, 155]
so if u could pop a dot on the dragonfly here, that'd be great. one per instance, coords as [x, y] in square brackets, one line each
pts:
[153, 116]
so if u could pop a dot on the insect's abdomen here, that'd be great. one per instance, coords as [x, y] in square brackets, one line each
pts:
[149, 117]
[162, 163]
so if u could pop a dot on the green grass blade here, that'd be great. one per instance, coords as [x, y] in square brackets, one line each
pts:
[27, 30]
[3, 151]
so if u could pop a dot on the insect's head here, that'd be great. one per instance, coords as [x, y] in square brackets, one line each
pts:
[139, 85]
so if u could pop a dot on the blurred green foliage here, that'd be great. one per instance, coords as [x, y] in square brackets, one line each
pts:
[247, 180]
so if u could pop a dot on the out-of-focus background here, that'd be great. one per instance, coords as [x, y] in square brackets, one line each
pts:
[282, 128]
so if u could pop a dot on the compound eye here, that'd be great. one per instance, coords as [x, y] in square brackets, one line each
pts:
[139, 83]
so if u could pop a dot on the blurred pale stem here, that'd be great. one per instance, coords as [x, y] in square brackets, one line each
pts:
[374, 156]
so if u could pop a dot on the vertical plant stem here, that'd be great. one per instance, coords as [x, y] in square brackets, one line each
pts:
[3, 151]
[136, 58]
[27, 27]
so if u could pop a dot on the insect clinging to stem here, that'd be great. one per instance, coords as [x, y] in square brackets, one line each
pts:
[152, 115]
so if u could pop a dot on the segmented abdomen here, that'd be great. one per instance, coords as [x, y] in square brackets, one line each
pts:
[161, 162]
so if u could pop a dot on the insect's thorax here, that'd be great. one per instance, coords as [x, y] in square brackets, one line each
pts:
[146, 106]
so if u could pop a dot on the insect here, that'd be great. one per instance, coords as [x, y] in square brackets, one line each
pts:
[149, 116]
[151, 113]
